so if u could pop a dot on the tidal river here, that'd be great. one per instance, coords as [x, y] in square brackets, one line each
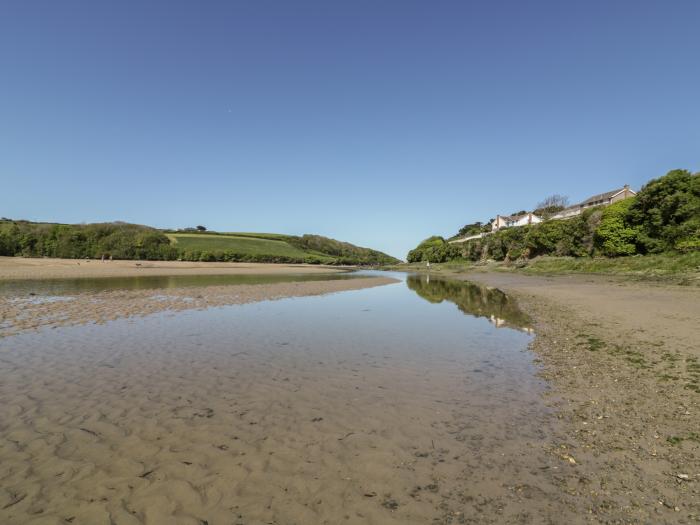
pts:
[414, 402]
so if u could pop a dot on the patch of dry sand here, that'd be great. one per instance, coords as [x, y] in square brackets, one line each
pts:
[20, 268]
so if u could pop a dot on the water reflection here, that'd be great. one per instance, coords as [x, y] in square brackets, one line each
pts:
[472, 299]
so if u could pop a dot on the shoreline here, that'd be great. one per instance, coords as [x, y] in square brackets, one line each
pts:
[25, 268]
[622, 359]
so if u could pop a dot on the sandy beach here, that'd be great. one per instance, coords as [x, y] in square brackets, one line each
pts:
[18, 268]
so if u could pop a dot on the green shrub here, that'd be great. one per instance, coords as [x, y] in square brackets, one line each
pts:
[434, 249]
[614, 237]
[667, 211]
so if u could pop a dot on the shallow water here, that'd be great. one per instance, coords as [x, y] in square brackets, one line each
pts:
[408, 403]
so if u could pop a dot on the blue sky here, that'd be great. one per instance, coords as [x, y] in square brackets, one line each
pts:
[378, 123]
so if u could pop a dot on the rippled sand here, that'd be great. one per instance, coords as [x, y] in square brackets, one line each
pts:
[339, 409]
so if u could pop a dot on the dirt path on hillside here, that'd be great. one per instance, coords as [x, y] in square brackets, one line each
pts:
[623, 359]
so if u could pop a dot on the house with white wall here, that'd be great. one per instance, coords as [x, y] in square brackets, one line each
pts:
[507, 221]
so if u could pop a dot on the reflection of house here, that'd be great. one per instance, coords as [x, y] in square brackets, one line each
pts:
[501, 323]
[506, 221]
[603, 199]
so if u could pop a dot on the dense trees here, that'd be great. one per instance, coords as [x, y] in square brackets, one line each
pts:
[118, 240]
[344, 251]
[663, 217]
[666, 213]
[434, 249]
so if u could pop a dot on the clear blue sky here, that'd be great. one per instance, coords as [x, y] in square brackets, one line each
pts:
[379, 123]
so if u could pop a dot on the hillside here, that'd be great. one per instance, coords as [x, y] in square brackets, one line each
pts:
[664, 217]
[190, 242]
[130, 241]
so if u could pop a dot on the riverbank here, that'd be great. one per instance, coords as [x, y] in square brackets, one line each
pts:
[670, 268]
[18, 314]
[21, 268]
[623, 360]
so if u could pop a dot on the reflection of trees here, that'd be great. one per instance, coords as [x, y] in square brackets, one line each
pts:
[471, 299]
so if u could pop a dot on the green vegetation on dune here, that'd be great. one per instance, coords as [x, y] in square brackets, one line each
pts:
[663, 218]
[131, 241]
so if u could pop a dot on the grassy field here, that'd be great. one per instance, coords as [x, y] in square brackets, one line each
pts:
[240, 243]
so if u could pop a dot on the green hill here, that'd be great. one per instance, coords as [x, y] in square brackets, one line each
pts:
[130, 241]
[663, 217]
[272, 247]
[237, 243]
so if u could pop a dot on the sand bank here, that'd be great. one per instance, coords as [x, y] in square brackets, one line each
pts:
[23, 313]
[28, 268]
[623, 358]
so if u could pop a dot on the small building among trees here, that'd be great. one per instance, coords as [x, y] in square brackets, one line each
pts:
[602, 199]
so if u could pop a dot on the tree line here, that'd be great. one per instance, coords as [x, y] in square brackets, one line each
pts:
[120, 240]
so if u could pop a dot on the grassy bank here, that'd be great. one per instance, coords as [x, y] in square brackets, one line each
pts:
[677, 268]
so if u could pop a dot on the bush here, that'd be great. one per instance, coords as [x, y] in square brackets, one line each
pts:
[614, 237]
[434, 249]
[666, 211]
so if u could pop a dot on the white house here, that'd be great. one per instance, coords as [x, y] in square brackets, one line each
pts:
[506, 221]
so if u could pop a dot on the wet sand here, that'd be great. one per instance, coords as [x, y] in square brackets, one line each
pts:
[623, 358]
[321, 414]
[18, 314]
[17, 268]
[97, 429]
